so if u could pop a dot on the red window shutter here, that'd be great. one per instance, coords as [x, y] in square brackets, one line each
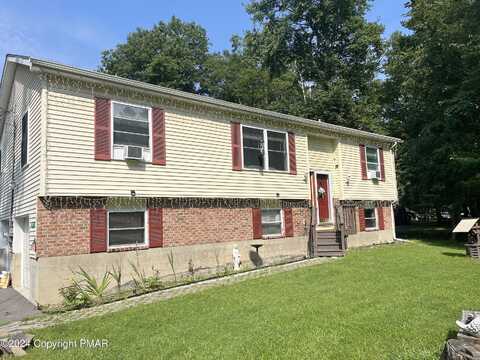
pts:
[102, 129]
[257, 223]
[98, 230]
[381, 219]
[155, 227]
[363, 162]
[382, 165]
[236, 146]
[288, 217]
[292, 153]
[361, 219]
[159, 151]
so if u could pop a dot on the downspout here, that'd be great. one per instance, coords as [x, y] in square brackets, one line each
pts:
[12, 186]
[14, 141]
[392, 213]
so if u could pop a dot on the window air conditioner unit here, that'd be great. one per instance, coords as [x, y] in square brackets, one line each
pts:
[133, 153]
[374, 174]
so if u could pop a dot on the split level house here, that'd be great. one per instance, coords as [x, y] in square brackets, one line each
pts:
[98, 170]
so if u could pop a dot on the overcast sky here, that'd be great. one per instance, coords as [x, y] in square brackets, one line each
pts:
[75, 33]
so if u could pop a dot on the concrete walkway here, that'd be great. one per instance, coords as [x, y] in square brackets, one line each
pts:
[14, 307]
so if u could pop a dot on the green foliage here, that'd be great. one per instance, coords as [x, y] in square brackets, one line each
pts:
[332, 51]
[142, 282]
[85, 290]
[307, 59]
[171, 261]
[431, 98]
[116, 274]
[91, 291]
[171, 54]
[361, 307]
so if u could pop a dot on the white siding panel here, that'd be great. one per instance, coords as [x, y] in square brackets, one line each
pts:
[199, 162]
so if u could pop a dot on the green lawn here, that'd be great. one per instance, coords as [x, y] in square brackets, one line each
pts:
[388, 302]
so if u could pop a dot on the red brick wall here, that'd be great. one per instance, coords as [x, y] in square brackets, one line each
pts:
[202, 226]
[299, 217]
[62, 232]
[67, 231]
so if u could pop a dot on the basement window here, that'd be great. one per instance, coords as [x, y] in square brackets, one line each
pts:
[126, 228]
[272, 222]
[371, 219]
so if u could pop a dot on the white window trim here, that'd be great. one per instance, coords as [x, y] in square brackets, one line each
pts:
[367, 162]
[282, 224]
[376, 221]
[145, 220]
[27, 112]
[265, 154]
[330, 195]
[150, 130]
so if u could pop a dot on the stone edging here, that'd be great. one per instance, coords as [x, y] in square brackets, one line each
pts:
[57, 319]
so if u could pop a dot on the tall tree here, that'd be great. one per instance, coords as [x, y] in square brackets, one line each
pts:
[334, 52]
[172, 54]
[432, 97]
[238, 76]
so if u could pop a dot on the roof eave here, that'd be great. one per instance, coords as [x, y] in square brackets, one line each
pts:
[6, 83]
[59, 68]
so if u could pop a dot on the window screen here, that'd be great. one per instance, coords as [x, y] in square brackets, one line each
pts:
[126, 228]
[130, 125]
[272, 222]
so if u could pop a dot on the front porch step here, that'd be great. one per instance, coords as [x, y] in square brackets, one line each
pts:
[331, 253]
[329, 243]
[328, 247]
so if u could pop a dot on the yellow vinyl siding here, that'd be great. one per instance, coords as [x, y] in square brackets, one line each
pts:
[199, 159]
[357, 189]
[25, 95]
[323, 156]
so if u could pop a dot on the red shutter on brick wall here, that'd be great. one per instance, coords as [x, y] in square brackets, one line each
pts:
[159, 151]
[236, 146]
[363, 162]
[288, 217]
[361, 219]
[98, 230]
[257, 223]
[292, 153]
[381, 219]
[382, 165]
[155, 227]
[102, 129]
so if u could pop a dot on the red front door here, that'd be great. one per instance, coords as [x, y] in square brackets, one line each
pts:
[323, 195]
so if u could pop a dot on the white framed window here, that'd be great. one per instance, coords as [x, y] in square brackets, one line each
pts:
[264, 149]
[272, 222]
[127, 228]
[371, 219]
[372, 157]
[131, 127]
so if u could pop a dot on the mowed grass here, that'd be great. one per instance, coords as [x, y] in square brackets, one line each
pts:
[386, 302]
